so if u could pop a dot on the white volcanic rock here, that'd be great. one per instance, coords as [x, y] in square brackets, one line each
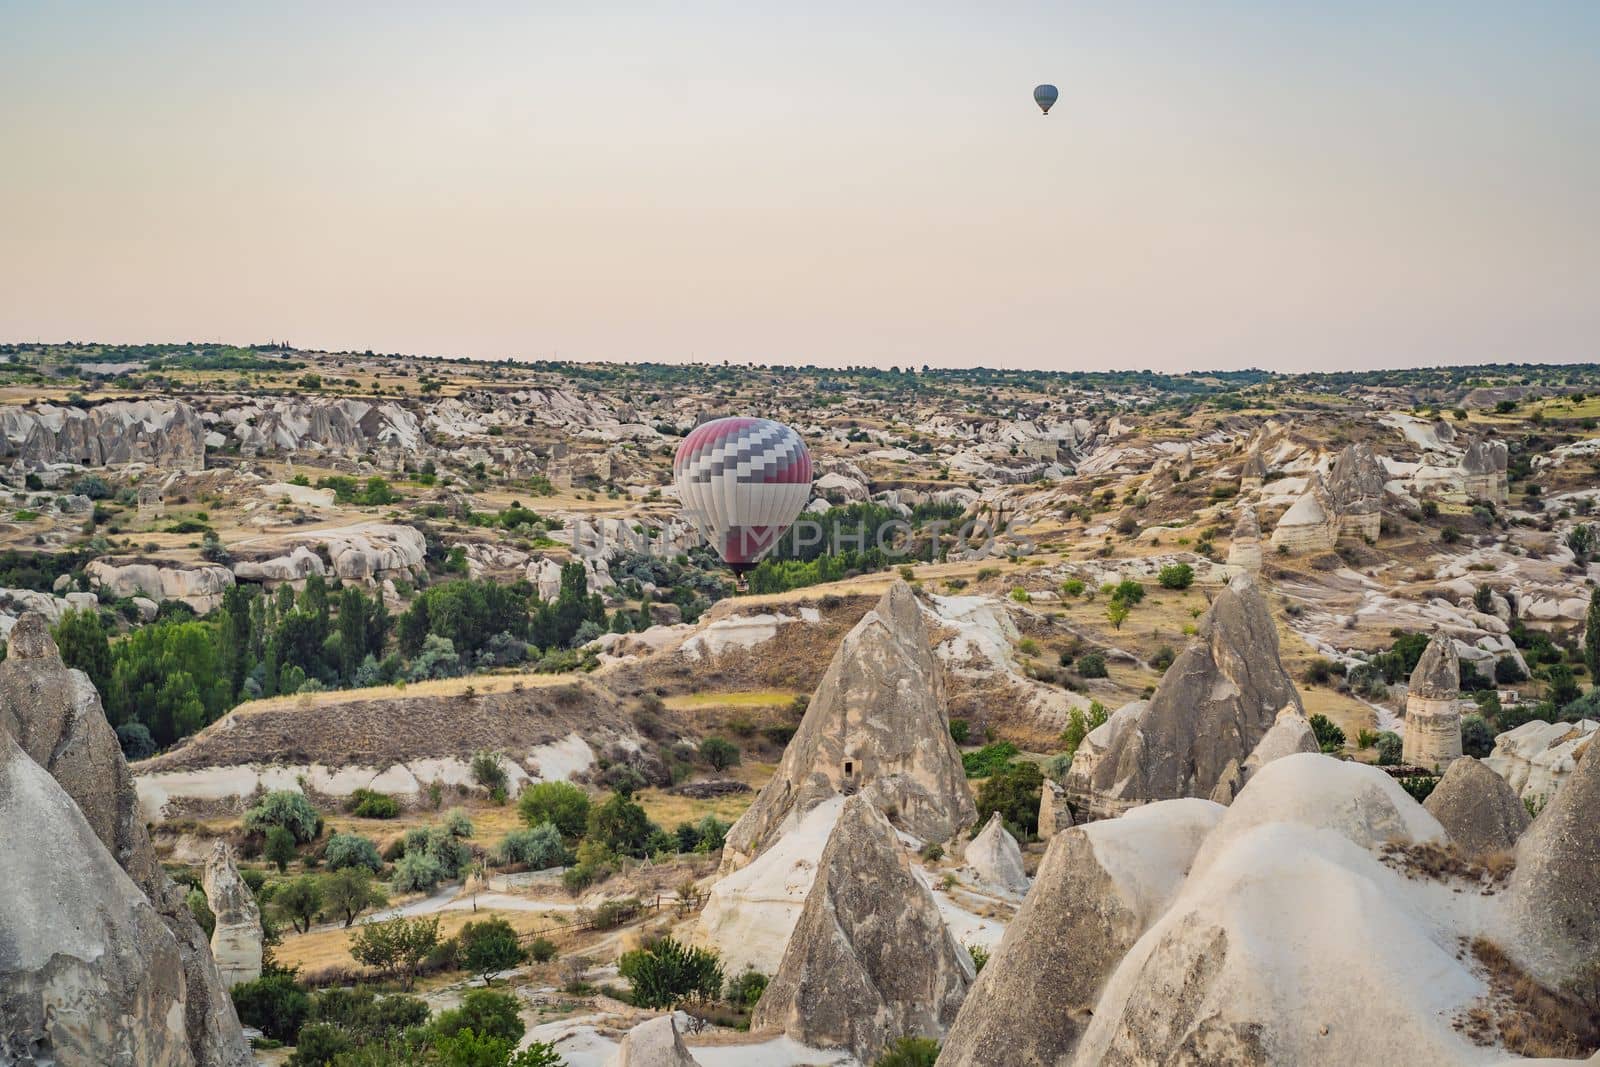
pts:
[345, 426]
[1290, 734]
[871, 960]
[1477, 808]
[298, 565]
[653, 1044]
[1099, 888]
[750, 914]
[55, 718]
[1557, 881]
[199, 585]
[1054, 813]
[1536, 757]
[89, 974]
[368, 551]
[164, 433]
[994, 857]
[876, 725]
[1311, 524]
[236, 938]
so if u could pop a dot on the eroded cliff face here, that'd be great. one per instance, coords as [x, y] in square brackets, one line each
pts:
[877, 727]
[164, 433]
[1213, 706]
[871, 959]
[54, 717]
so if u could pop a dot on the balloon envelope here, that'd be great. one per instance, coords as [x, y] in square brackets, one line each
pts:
[742, 481]
[1044, 96]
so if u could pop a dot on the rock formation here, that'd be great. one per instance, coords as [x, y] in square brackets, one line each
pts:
[1254, 474]
[368, 552]
[1214, 705]
[1099, 888]
[345, 426]
[164, 433]
[199, 585]
[1483, 471]
[876, 726]
[1355, 486]
[1477, 808]
[236, 938]
[871, 960]
[54, 715]
[1244, 551]
[653, 1044]
[1311, 524]
[1433, 713]
[1557, 881]
[995, 858]
[1536, 757]
[1054, 813]
[89, 974]
[1290, 734]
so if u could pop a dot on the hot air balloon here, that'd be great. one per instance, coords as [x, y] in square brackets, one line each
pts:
[742, 481]
[1044, 96]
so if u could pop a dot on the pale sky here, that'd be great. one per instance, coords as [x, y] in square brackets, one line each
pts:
[1223, 184]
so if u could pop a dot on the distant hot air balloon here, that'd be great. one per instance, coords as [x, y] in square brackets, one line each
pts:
[1044, 96]
[742, 481]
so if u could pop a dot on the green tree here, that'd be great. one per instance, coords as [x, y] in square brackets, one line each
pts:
[489, 947]
[396, 945]
[273, 1004]
[1477, 739]
[561, 803]
[1330, 738]
[351, 891]
[1117, 613]
[169, 676]
[289, 809]
[621, 826]
[279, 850]
[1014, 793]
[1080, 725]
[352, 850]
[82, 641]
[668, 972]
[299, 901]
[1390, 748]
[719, 753]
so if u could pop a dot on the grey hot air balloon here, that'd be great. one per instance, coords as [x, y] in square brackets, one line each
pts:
[1044, 96]
[742, 482]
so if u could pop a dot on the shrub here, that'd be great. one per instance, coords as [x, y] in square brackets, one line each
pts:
[1390, 748]
[489, 771]
[538, 848]
[370, 804]
[352, 850]
[542, 950]
[669, 972]
[273, 1004]
[319, 1044]
[1072, 587]
[1092, 665]
[989, 759]
[416, 871]
[289, 809]
[1176, 576]
[1013, 791]
[744, 990]
[135, 741]
[958, 731]
[1128, 591]
[910, 1052]
[1163, 658]
[1079, 725]
[457, 823]
[1477, 739]
[200, 908]
[488, 947]
[980, 956]
[560, 803]
[719, 753]
[1330, 738]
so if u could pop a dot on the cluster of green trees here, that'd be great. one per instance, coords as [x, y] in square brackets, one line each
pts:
[852, 539]
[356, 1028]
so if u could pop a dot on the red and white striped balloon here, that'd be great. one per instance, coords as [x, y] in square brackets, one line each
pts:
[742, 482]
